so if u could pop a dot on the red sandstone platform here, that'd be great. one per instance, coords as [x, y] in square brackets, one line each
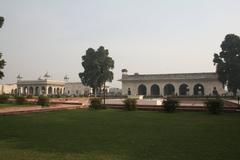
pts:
[32, 109]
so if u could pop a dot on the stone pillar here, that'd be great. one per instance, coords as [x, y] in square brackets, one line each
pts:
[19, 90]
[40, 90]
[33, 90]
[62, 92]
[46, 92]
[176, 86]
[28, 90]
[160, 85]
[148, 87]
[190, 92]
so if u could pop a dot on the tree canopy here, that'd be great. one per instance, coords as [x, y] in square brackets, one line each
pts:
[2, 61]
[97, 68]
[1, 21]
[228, 62]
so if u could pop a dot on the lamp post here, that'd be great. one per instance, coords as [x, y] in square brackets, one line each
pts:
[199, 92]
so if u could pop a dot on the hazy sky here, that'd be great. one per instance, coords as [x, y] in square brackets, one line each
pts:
[144, 36]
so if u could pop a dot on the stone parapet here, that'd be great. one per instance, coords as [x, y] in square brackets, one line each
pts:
[177, 76]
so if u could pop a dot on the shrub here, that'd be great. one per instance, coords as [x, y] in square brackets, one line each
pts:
[214, 106]
[29, 97]
[96, 103]
[4, 98]
[130, 104]
[43, 101]
[20, 99]
[170, 105]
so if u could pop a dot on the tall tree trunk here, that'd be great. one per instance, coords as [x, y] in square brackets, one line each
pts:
[234, 91]
[104, 93]
[100, 91]
[94, 92]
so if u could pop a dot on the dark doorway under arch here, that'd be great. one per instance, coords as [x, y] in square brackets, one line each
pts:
[198, 90]
[142, 90]
[155, 91]
[31, 90]
[37, 91]
[169, 89]
[50, 90]
[183, 90]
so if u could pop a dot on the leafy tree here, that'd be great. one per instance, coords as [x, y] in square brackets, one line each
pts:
[1, 21]
[2, 64]
[97, 68]
[228, 63]
[2, 61]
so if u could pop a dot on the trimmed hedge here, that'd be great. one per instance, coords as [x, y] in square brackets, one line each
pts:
[170, 105]
[214, 106]
[20, 99]
[29, 96]
[43, 101]
[96, 103]
[4, 98]
[130, 104]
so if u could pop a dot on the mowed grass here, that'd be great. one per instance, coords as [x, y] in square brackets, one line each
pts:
[120, 135]
[4, 105]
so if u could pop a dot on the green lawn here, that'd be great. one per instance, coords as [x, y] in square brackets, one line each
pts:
[4, 105]
[7, 104]
[119, 135]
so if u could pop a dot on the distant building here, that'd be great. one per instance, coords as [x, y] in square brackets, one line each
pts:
[76, 89]
[8, 88]
[185, 84]
[39, 87]
[115, 91]
[51, 87]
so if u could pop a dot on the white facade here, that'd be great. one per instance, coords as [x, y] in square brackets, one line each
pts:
[45, 87]
[39, 87]
[8, 88]
[76, 89]
[186, 84]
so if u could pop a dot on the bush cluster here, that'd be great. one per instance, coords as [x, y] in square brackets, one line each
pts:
[29, 96]
[170, 105]
[20, 99]
[58, 96]
[43, 101]
[4, 98]
[130, 104]
[96, 103]
[214, 106]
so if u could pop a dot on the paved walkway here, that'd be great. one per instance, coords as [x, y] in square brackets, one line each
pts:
[233, 101]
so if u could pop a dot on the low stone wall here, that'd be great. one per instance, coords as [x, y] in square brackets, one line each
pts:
[141, 102]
